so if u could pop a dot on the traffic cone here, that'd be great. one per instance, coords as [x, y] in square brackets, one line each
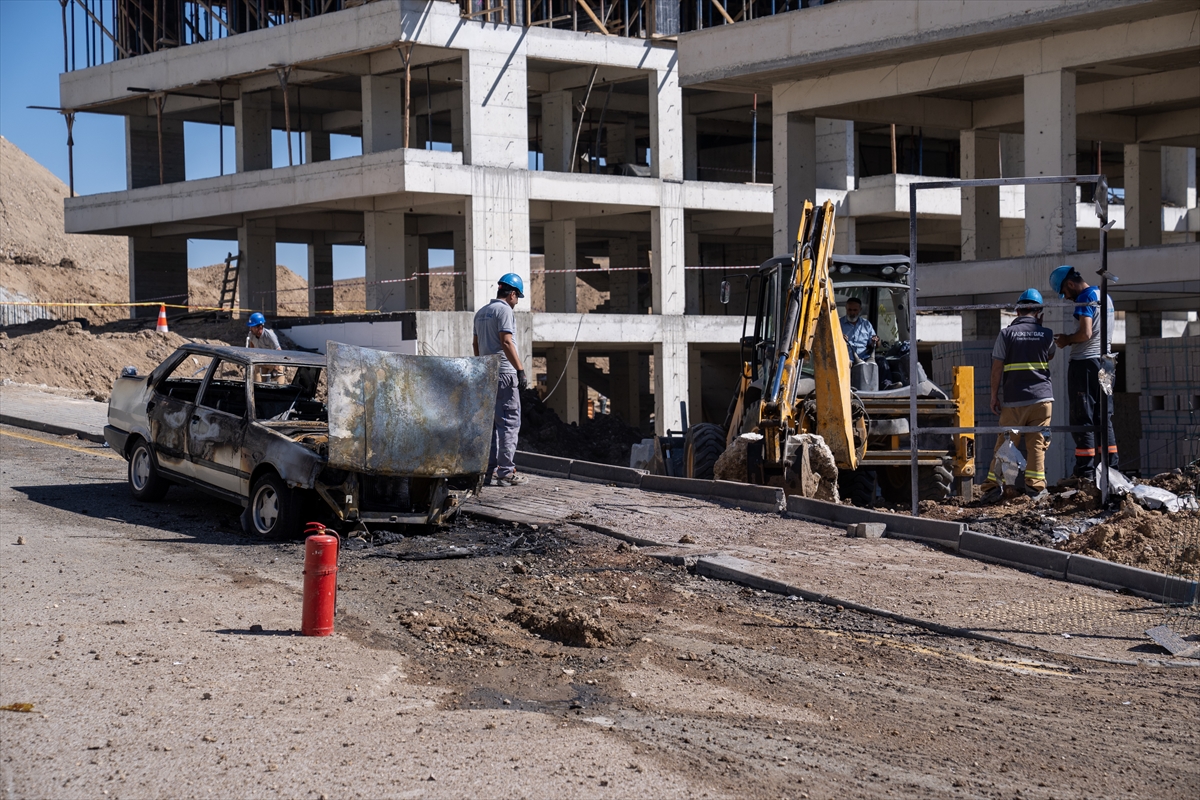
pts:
[162, 319]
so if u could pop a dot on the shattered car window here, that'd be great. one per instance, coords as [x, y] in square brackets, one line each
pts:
[183, 382]
[226, 390]
[291, 393]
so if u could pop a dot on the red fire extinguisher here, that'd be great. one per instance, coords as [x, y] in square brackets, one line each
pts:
[320, 581]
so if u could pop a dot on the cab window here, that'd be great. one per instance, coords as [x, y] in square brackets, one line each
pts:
[226, 390]
[183, 382]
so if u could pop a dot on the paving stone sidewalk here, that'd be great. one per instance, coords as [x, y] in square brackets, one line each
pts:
[26, 407]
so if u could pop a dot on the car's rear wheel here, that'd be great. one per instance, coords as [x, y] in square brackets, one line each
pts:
[145, 481]
[274, 508]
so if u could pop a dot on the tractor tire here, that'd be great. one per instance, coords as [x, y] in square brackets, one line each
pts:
[933, 483]
[858, 486]
[703, 445]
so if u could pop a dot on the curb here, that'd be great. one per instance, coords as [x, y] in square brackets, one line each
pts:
[899, 526]
[767, 499]
[543, 465]
[1142, 582]
[606, 473]
[665, 484]
[47, 427]
[1019, 555]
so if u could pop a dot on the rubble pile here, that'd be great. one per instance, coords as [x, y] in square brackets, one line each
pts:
[605, 439]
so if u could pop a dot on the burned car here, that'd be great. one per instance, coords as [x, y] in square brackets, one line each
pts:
[361, 435]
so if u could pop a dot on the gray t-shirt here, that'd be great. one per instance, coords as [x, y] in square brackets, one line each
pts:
[490, 321]
[268, 340]
[1091, 348]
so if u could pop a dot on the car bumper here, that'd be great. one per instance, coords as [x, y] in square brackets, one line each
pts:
[116, 438]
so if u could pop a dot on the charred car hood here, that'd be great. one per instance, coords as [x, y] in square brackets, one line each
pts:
[414, 416]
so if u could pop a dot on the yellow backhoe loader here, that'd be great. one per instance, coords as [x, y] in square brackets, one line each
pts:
[797, 378]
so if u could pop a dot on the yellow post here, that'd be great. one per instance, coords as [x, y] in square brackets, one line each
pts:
[964, 451]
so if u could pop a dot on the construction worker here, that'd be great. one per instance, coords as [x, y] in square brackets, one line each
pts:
[260, 338]
[1083, 371]
[1021, 362]
[858, 331]
[494, 328]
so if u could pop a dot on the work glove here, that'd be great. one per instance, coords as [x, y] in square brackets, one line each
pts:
[522, 381]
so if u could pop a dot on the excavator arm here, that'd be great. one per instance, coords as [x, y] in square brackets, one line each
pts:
[810, 331]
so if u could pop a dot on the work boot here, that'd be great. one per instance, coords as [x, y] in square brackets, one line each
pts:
[993, 496]
[511, 480]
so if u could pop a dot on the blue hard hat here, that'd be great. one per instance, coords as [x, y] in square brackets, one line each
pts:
[256, 319]
[1059, 276]
[513, 280]
[1030, 297]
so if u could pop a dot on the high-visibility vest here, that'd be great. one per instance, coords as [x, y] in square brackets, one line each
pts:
[1028, 347]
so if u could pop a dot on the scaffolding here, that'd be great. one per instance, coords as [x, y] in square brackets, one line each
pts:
[102, 31]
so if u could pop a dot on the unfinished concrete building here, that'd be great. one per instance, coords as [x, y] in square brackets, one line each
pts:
[626, 158]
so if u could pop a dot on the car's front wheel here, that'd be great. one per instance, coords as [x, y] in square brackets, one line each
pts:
[145, 481]
[274, 508]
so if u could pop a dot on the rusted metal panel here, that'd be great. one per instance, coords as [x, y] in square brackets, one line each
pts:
[417, 416]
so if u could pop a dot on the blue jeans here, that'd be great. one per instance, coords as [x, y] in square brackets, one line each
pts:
[505, 427]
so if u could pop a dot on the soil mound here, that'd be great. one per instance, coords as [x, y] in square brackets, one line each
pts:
[605, 439]
[570, 626]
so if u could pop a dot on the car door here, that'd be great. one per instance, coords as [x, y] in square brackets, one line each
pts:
[217, 428]
[169, 411]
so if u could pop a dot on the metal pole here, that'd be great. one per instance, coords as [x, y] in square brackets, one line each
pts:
[283, 73]
[221, 124]
[754, 141]
[159, 99]
[70, 117]
[913, 364]
[66, 50]
[406, 54]
[1102, 438]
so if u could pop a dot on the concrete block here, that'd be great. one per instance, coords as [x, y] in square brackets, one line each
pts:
[900, 526]
[545, 465]
[692, 487]
[1142, 582]
[866, 530]
[606, 473]
[994, 549]
[749, 496]
[739, 570]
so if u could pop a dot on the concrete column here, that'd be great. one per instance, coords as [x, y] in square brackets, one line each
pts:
[1134, 333]
[1143, 195]
[316, 146]
[456, 129]
[256, 242]
[495, 110]
[560, 254]
[624, 386]
[565, 400]
[141, 152]
[462, 283]
[835, 154]
[382, 113]
[666, 121]
[695, 402]
[1179, 176]
[383, 235]
[1060, 455]
[845, 236]
[631, 151]
[423, 268]
[691, 151]
[497, 232]
[1050, 150]
[979, 157]
[794, 150]
[558, 130]
[692, 277]
[412, 261]
[320, 273]
[670, 375]
[1012, 155]
[668, 290]
[623, 285]
[158, 270]
[252, 129]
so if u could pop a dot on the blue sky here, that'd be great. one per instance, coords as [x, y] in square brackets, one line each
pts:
[31, 57]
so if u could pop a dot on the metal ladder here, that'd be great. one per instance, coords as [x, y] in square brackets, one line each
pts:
[229, 285]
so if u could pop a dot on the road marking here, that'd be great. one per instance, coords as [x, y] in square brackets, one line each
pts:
[93, 452]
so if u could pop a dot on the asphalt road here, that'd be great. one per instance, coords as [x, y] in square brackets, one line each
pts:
[158, 647]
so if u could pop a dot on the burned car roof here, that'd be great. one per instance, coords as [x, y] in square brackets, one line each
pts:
[250, 355]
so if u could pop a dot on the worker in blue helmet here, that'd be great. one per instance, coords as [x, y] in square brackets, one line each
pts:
[495, 325]
[1021, 369]
[260, 338]
[1083, 371]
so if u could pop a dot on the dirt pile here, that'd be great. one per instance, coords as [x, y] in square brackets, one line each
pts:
[570, 626]
[70, 357]
[1152, 540]
[605, 439]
